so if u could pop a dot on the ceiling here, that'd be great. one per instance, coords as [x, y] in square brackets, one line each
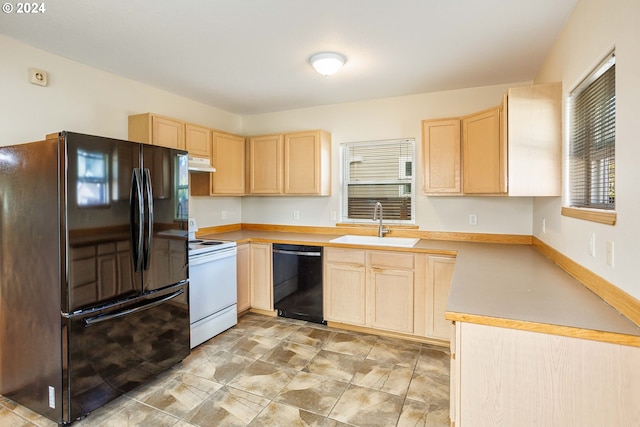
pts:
[251, 56]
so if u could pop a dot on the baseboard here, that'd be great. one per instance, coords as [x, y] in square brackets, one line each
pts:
[380, 332]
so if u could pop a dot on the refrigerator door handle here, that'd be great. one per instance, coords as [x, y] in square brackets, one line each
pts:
[135, 222]
[151, 303]
[149, 197]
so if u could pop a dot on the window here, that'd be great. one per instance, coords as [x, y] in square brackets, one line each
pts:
[378, 171]
[592, 111]
[93, 179]
[182, 187]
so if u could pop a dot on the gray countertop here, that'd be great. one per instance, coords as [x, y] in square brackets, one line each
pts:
[502, 285]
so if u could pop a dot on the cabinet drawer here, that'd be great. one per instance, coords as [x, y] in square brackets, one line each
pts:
[396, 260]
[82, 252]
[344, 256]
[106, 248]
[122, 246]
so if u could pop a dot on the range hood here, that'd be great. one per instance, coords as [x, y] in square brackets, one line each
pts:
[200, 164]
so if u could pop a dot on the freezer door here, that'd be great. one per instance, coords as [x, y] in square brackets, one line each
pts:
[114, 350]
[102, 209]
[166, 207]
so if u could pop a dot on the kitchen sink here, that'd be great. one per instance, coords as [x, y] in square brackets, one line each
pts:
[403, 242]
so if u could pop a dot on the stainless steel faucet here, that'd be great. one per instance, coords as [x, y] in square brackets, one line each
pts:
[381, 230]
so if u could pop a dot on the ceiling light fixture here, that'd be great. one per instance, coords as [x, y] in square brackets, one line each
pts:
[327, 63]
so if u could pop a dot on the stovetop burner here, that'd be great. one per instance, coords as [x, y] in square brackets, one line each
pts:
[201, 246]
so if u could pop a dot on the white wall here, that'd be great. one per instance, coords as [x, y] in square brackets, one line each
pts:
[398, 117]
[83, 99]
[594, 29]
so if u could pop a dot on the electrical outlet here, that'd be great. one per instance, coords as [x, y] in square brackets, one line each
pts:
[610, 262]
[38, 77]
[296, 214]
[473, 219]
[223, 215]
[334, 216]
[591, 249]
[544, 225]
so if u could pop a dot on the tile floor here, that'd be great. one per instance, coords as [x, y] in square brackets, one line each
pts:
[282, 372]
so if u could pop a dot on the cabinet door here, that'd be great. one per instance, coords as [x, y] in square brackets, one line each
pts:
[177, 258]
[83, 278]
[306, 156]
[229, 160]
[390, 299]
[107, 271]
[454, 378]
[439, 275]
[483, 153]
[534, 115]
[126, 281]
[261, 276]
[242, 273]
[198, 140]
[162, 259]
[168, 132]
[344, 293]
[265, 164]
[441, 156]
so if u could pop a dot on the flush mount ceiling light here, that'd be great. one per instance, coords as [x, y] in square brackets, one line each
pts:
[327, 63]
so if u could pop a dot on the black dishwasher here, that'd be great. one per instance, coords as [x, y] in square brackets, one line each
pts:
[297, 282]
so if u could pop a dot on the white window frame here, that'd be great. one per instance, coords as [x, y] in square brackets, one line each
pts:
[593, 209]
[402, 179]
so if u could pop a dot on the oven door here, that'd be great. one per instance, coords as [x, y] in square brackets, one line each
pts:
[212, 278]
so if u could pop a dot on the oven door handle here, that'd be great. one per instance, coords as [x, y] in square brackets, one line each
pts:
[211, 257]
[149, 304]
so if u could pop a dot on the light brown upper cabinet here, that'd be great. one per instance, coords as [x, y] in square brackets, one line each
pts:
[228, 157]
[198, 140]
[513, 149]
[153, 129]
[534, 136]
[307, 163]
[265, 164]
[483, 153]
[296, 163]
[441, 156]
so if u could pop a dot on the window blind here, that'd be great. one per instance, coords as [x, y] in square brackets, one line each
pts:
[378, 171]
[593, 135]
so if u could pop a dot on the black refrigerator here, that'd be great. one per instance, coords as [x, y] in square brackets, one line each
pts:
[93, 270]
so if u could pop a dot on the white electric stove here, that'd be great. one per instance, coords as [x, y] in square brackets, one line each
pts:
[212, 287]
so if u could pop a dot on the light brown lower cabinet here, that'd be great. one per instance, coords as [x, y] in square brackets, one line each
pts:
[439, 275]
[390, 284]
[261, 276]
[510, 377]
[344, 290]
[242, 277]
[387, 290]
